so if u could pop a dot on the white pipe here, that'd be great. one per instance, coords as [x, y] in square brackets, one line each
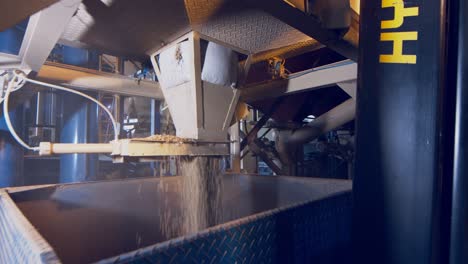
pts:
[11, 88]
[7, 117]
[47, 148]
[114, 123]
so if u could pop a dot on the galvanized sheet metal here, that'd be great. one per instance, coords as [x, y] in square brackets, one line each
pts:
[134, 28]
[19, 240]
[235, 23]
[313, 232]
[93, 221]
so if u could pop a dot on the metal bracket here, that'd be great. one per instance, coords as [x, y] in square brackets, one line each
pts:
[237, 92]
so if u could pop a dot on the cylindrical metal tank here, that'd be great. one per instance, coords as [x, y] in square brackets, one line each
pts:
[11, 153]
[79, 126]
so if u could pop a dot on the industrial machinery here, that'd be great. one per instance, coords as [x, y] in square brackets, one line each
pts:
[197, 57]
[142, 220]
[207, 97]
[272, 84]
[204, 70]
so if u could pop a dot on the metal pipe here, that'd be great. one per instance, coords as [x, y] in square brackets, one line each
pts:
[40, 109]
[235, 148]
[336, 117]
[155, 117]
[70, 148]
[78, 128]
[332, 119]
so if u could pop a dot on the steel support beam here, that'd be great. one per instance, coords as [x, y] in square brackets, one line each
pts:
[235, 99]
[197, 81]
[306, 24]
[43, 31]
[350, 87]
[459, 199]
[155, 117]
[252, 134]
[288, 51]
[258, 148]
[321, 77]
[8, 61]
[87, 79]
[235, 148]
[401, 139]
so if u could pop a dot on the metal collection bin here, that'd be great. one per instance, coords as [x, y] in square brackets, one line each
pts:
[273, 219]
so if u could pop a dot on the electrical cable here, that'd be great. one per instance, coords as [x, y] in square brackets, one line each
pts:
[7, 117]
[23, 79]
[17, 86]
[111, 117]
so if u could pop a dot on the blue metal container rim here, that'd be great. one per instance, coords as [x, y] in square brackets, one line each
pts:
[300, 230]
[19, 239]
[129, 256]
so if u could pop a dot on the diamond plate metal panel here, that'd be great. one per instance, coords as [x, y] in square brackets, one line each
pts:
[78, 25]
[240, 26]
[146, 25]
[19, 240]
[288, 51]
[318, 231]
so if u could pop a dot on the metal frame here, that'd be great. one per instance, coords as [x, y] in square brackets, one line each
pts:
[349, 87]
[87, 79]
[306, 24]
[138, 148]
[252, 134]
[8, 61]
[321, 77]
[256, 146]
[235, 148]
[43, 31]
[217, 41]
[237, 92]
[194, 40]
[135, 148]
